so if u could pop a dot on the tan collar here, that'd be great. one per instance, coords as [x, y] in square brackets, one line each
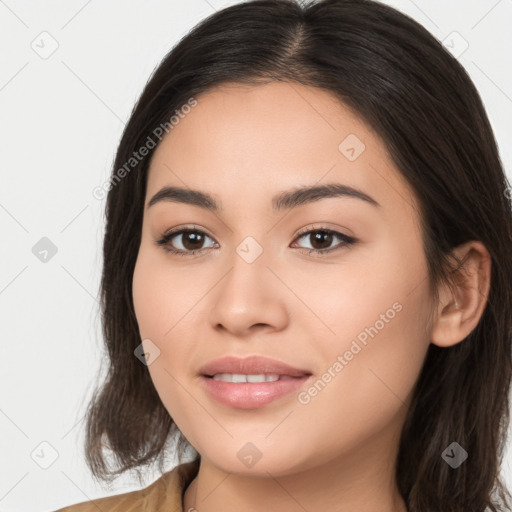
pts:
[164, 495]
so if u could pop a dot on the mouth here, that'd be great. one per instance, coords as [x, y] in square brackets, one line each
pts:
[251, 383]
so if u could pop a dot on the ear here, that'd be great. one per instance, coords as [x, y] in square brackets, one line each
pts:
[461, 305]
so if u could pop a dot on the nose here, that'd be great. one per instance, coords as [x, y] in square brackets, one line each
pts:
[249, 298]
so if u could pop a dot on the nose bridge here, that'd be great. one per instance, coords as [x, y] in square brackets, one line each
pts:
[248, 277]
[247, 295]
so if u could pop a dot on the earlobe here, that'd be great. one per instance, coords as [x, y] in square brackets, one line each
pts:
[462, 304]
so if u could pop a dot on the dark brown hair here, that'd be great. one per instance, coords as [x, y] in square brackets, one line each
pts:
[422, 103]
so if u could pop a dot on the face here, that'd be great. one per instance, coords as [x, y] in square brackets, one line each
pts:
[334, 285]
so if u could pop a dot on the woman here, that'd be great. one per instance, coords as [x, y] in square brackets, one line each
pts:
[307, 272]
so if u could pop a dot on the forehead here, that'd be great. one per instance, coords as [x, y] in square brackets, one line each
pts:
[242, 139]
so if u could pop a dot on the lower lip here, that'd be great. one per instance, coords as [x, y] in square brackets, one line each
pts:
[251, 395]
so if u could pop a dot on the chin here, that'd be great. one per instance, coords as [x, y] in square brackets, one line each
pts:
[249, 460]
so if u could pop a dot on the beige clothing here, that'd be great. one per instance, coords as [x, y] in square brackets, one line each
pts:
[164, 495]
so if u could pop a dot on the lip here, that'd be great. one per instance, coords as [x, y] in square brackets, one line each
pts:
[251, 395]
[253, 365]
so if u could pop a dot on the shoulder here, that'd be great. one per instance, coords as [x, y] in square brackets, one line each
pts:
[165, 493]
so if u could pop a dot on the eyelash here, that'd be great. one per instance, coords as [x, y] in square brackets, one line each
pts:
[166, 238]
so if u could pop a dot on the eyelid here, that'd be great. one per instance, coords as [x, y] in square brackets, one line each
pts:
[319, 226]
[186, 227]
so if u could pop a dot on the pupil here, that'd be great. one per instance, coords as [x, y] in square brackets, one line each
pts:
[327, 237]
[196, 238]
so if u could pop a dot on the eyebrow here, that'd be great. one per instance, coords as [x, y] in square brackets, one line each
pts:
[282, 201]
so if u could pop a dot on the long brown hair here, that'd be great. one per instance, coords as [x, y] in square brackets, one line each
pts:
[422, 103]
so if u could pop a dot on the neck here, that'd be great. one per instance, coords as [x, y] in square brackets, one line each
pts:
[362, 479]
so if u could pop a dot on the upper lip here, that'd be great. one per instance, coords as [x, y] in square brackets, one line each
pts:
[254, 365]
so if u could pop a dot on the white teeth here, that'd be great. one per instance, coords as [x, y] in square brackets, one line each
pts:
[260, 378]
[239, 377]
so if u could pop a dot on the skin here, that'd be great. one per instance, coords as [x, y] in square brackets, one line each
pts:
[337, 452]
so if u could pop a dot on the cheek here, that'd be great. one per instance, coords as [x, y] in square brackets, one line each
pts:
[377, 376]
[146, 290]
[164, 300]
[365, 386]
[163, 306]
[162, 294]
[371, 364]
[379, 313]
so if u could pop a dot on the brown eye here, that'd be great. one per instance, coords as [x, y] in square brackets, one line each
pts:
[321, 239]
[185, 241]
[192, 240]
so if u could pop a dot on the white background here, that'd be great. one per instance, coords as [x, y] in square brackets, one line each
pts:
[61, 121]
